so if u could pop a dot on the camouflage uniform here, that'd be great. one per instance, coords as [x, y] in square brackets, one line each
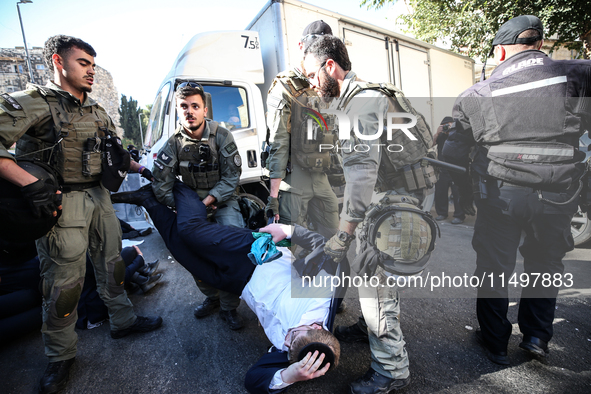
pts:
[368, 172]
[219, 179]
[304, 193]
[88, 221]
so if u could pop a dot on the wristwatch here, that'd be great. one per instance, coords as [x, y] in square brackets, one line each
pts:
[345, 237]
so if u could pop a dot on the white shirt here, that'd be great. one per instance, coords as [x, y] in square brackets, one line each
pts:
[275, 293]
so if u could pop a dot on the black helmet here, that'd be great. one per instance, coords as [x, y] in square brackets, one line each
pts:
[18, 222]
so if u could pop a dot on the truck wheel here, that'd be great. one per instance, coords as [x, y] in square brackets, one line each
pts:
[253, 210]
[580, 227]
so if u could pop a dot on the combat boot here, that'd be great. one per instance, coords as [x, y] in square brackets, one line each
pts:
[55, 376]
[142, 324]
[374, 383]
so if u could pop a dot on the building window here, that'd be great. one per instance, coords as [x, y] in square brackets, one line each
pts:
[9, 89]
[20, 68]
[40, 67]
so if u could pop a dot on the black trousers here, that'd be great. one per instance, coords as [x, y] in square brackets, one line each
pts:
[501, 218]
[442, 195]
[215, 254]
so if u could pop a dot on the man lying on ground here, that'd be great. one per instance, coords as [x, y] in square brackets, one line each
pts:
[296, 318]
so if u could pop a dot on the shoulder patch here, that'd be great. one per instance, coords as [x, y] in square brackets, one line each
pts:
[163, 157]
[275, 102]
[10, 103]
[231, 148]
[237, 160]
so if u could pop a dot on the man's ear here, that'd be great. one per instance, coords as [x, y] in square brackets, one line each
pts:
[331, 67]
[58, 61]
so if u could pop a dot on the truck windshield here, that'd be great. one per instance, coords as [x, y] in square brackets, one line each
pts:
[229, 106]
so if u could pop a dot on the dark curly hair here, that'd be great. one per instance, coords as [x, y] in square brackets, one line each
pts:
[61, 45]
[330, 47]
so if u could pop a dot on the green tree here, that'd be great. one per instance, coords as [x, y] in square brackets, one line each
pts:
[146, 112]
[470, 25]
[129, 113]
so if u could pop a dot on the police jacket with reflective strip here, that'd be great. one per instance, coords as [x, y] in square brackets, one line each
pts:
[525, 120]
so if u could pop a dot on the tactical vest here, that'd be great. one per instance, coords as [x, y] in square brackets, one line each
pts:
[74, 151]
[307, 127]
[529, 122]
[198, 161]
[405, 168]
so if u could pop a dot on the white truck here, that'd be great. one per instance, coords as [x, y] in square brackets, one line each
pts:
[237, 68]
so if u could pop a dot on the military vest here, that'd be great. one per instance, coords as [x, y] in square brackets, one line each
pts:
[74, 149]
[307, 127]
[402, 168]
[198, 161]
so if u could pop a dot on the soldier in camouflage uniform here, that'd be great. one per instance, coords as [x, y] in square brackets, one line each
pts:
[328, 68]
[205, 155]
[52, 123]
[305, 189]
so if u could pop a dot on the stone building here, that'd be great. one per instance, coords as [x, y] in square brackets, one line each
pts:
[14, 76]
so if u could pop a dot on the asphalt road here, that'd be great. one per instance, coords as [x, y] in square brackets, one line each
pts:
[203, 356]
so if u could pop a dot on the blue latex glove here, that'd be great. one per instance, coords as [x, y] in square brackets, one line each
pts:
[263, 249]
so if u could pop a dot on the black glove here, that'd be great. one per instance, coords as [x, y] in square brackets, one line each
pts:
[42, 198]
[272, 207]
[466, 201]
[147, 174]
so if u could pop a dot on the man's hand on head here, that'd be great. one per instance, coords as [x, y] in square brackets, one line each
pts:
[305, 369]
[278, 231]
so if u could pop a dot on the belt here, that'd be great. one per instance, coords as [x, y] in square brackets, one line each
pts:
[76, 187]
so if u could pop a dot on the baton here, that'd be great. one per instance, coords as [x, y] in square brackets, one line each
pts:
[447, 166]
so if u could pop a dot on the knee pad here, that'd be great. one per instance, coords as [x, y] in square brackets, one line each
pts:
[116, 270]
[63, 303]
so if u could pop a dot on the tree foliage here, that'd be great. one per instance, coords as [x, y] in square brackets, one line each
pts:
[470, 25]
[130, 123]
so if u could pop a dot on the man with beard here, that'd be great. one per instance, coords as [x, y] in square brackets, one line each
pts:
[52, 124]
[306, 194]
[207, 158]
[328, 68]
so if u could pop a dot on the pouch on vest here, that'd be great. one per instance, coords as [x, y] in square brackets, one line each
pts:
[116, 163]
[548, 166]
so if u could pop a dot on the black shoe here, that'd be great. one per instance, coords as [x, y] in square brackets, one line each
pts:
[496, 357]
[150, 268]
[342, 307]
[374, 383]
[232, 318]
[146, 231]
[441, 217]
[351, 334]
[130, 234]
[142, 324]
[207, 308]
[535, 346]
[136, 197]
[55, 376]
[152, 281]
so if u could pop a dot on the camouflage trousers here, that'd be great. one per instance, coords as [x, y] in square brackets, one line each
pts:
[88, 224]
[380, 307]
[309, 199]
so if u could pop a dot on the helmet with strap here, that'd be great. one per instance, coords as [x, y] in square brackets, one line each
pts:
[400, 234]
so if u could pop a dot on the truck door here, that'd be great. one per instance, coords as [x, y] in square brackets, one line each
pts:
[368, 52]
[414, 76]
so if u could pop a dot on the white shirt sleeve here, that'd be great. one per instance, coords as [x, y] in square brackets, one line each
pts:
[277, 383]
